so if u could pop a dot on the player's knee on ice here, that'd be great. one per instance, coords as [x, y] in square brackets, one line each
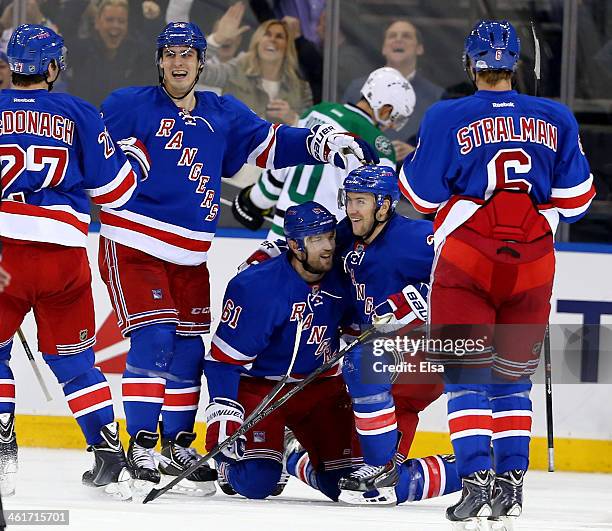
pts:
[151, 349]
[255, 478]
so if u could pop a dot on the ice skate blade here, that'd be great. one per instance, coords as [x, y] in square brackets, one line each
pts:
[472, 524]
[8, 484]
[503, 523]
[140, 488]
[121, 490]
[186, 487]
[385, 496]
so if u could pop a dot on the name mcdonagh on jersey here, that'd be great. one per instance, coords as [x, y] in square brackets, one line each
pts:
[492, 130]
[37, 123]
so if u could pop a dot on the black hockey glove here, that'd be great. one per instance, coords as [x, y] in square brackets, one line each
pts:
[246, 212]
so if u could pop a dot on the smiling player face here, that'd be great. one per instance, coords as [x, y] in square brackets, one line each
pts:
[180, 66]
[320, 251]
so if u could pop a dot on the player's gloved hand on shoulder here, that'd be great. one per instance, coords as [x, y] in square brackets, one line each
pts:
[403, 311]
[136, 150]
[224, 417]
[265, 251]
[243, 209]
[328, 144]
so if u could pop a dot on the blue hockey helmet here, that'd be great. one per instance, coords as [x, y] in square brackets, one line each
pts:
[32, 47]
[492, 45]
[182, 34]
[382, 181]
[307, 219]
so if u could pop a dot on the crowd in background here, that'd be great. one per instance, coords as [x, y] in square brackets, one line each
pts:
[269, 54]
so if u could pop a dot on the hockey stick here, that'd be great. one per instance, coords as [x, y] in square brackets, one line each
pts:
[547, 361]
[34, 365]
[549, 403]
[265, 408]
[250, 421]
[537, 58]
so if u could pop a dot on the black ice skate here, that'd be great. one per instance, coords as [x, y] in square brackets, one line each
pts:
[472, 511]
[8, 454]
[222, 481]
[141, 463]
[177, 455]
[377, 481]
[507, 503]
[110, 465]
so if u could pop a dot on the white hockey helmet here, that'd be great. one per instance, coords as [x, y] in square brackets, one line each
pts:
[387, 86]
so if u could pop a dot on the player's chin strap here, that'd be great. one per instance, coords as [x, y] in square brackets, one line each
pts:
[51, 83]
[305, 265]
[376, 224]
[160, 74]
[471, 74]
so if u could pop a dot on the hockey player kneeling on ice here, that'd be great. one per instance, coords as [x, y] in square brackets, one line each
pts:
[56, 156]
[252, 347]
[387, 258]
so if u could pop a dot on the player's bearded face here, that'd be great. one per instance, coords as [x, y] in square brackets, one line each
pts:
[320, 251]
[360, 209]
[180, 65]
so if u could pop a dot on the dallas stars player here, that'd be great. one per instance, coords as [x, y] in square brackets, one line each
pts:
[387, 101]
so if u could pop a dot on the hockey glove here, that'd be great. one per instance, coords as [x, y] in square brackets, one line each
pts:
[402, 311]
[136, 150]
[246, 212]
[266, 250]
[224, 417]
[328, 144]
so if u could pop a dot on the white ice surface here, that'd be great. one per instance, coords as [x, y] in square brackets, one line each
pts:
[50, 480]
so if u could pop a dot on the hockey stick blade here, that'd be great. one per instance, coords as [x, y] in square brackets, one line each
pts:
[251, 420]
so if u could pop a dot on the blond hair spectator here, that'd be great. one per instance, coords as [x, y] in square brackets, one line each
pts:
[266, 77]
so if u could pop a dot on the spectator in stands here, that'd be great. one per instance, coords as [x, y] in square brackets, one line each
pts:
[148, 18]
[110, 59]
[5, 72]
[34, 15]
[222, 54]
[266, 77]
[305, 12]
[401, 49]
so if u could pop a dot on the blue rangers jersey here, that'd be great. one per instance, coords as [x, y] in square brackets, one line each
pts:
[256, 335]
[176, 212]
[401, 254]
[471, 147]
[55, 154]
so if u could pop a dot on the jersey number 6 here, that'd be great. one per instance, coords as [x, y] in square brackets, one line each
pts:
[497, 171]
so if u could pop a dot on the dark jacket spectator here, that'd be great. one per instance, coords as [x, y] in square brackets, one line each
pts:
[111, 58]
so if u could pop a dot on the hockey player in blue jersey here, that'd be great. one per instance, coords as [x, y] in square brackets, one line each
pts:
[55, 156]
[153, 255]
[252, 347]
[500, 169]
[388, 260]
